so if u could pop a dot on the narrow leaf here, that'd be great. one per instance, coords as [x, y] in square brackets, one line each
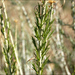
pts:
[34, 42]
[45, 61]
[34, 67]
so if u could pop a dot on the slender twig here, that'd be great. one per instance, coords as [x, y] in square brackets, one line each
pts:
[42, 34]
[3, 28]
[23, 44]
[16, 53]
[25, 13]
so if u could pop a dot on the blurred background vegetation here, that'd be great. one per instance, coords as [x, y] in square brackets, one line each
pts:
[25, 24]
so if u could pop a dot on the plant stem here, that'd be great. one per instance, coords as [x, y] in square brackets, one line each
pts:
[11, 38]
[40, 62]
[42, 35]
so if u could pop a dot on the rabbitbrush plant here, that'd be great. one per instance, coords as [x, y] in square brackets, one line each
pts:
[8, 50]
[43, 31]
[12, 52]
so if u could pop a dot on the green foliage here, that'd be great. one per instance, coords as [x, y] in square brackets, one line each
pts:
[73, 67]
[43, 33]
[8, 50]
